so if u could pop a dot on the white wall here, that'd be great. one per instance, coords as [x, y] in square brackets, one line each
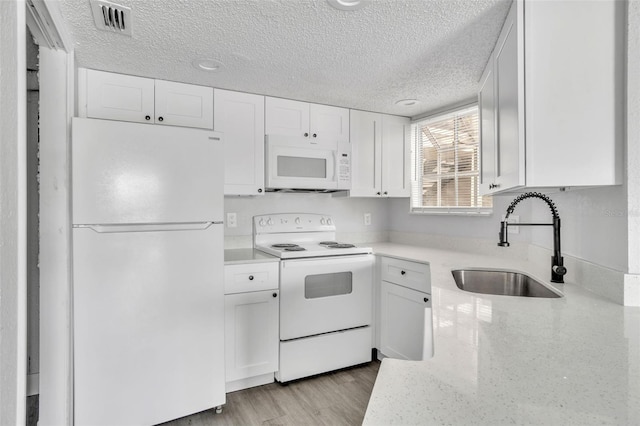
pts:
[633, 136]
[56, 105]
[593, 225]
[347, 213]
[481, 227]
[13, 284]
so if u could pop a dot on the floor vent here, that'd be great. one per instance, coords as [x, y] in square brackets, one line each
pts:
[111, 17]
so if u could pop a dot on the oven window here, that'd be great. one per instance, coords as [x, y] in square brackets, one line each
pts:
[302, 167]
[326, 285]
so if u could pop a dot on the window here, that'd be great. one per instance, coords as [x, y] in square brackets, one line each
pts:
[445, 170]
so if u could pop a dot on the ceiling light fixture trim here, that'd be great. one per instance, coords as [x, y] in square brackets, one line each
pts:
[408, 102]
[209, 65]
[348, 4]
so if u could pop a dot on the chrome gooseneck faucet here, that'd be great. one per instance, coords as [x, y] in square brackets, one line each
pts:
[557, 268]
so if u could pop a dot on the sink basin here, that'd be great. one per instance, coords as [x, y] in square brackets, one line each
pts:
[505, 283]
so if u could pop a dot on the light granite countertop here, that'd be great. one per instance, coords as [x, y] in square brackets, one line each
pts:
[247, 255]
[502, 360]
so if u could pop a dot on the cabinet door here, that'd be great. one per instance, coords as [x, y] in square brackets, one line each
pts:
[119, 97]
[406, 328]
[179, 104]
[509, 104]
[251, 334]
[486, 106]
[366, 150]
[240, 116]
[328, 125]
[395, 156]
[286, 117]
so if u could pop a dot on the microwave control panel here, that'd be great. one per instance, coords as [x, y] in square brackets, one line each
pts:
[343, 164]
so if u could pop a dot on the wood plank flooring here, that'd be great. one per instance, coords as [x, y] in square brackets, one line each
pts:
[336, 398]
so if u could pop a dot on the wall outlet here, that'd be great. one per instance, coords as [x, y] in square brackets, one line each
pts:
[232, 220]
[513, 219]
[367, 219]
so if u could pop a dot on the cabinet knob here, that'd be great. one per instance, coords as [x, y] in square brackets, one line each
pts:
[426, 299]
[147, 117]
[306, 135]
[377, 193]
[250, 277]
[403, 272]
[260, 190]
[385, 192]
[315, 135]
[160, 119]
[494, 185]
[275, 294]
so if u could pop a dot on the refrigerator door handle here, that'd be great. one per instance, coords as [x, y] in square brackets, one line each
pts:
[105, 229]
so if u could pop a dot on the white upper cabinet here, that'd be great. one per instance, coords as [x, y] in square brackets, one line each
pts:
[286, 117]
[395, 156]
[486, 106]
[323, 125]
[509, 167]
[144, 100]
[556, 110]
[380, 155]
[329, 123]
[117, 96]
[240, 116]
[366, 151]
[179, 104]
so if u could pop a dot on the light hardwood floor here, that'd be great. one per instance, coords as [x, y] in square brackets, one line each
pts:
[337, 398]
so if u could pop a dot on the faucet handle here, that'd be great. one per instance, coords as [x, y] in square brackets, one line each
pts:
[559, 269]
[504, 242]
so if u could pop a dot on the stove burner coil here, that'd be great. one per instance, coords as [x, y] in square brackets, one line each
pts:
[294, 248]
[327, 243]
[340, 245]
[284, 245]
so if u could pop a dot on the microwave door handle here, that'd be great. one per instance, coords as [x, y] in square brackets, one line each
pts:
[334, 163]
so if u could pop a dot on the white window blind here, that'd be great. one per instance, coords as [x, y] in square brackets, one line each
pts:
[445, 170]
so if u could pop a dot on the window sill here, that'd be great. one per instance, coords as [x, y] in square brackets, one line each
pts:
[452, 211]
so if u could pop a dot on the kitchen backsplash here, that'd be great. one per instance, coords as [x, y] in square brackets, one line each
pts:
[348, 215]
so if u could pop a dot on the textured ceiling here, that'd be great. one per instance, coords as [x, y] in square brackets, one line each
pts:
[431, 50]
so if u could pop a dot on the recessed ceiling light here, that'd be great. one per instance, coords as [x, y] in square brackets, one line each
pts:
[210, 65]
[407, 102]
[348, 4]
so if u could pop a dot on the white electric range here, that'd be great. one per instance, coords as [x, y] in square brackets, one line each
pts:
[326, 293]
[299, 235]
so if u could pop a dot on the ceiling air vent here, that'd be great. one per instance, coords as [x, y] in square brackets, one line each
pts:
[111, 17]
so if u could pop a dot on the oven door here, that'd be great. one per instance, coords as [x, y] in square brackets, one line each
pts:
[299, 167]
[325, 294]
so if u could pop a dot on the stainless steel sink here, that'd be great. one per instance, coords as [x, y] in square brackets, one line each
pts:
[505, 283]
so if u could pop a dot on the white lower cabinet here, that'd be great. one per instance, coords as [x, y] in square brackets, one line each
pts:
[251, 328]
[405, 323]
[404, 326]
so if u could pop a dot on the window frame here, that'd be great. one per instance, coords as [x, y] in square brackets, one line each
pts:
[417, 173]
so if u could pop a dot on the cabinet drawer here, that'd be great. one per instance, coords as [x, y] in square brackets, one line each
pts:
[405, 273]
[250, 277]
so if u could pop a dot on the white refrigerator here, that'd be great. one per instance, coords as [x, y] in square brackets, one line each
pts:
[148, 294]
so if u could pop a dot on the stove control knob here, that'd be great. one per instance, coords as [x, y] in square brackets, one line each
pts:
[297, 221]
[323, 221]
[329, 221]
[261, 223]
[269, 222]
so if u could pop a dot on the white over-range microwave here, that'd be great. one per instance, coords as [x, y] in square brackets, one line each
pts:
[296, 164]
